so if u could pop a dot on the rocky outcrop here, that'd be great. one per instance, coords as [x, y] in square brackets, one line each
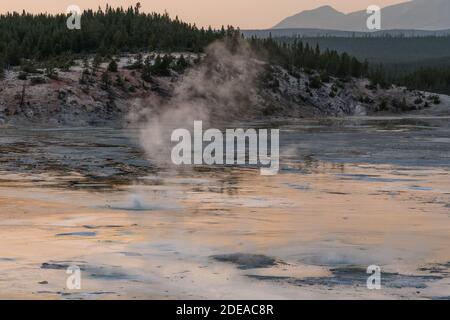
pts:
[77, 97]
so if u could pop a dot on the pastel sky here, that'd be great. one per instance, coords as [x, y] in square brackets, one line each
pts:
[247, 14]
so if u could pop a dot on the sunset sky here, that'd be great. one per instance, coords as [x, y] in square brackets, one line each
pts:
[247, 14]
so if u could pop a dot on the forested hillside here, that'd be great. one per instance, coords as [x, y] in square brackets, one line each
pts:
[302, 55]
[105, 31]
[386, 49]
[41, 38]
[26, 39]
[417, 62]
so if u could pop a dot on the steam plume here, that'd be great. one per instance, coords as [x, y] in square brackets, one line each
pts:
[220, 88]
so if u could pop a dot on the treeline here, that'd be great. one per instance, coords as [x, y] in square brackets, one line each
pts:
[421, 63]
[45, 37]
[430, 79]
[427, 79]
[109, 31]
[301, 55]
[386, 50]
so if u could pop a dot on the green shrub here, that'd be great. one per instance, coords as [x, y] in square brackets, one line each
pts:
[51, 73]
[383, 106]
[436, 99]
[119, 81]
[315, 83]
[37, 80]
[112, 66]
[325, 77]
[22, 75]
[28, 67]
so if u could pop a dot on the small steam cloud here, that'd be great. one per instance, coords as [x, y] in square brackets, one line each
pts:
[220, 88]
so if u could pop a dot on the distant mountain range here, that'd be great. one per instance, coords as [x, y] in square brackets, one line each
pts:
[316, 33]
[415, 15]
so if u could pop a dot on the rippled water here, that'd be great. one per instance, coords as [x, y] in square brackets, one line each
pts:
[350, 193]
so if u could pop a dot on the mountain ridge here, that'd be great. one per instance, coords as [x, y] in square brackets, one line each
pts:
[429, 15]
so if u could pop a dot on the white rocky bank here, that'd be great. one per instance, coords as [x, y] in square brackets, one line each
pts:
[66, 101]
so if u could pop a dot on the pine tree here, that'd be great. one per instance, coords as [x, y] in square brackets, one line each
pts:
[96, 62]
[181, 64]
[2, 66]
[146, 74]
[106, 80]
[112, 67]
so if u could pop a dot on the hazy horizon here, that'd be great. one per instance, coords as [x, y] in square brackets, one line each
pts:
[253, 14]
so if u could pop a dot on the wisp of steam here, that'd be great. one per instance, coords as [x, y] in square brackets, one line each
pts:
[220, 88]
